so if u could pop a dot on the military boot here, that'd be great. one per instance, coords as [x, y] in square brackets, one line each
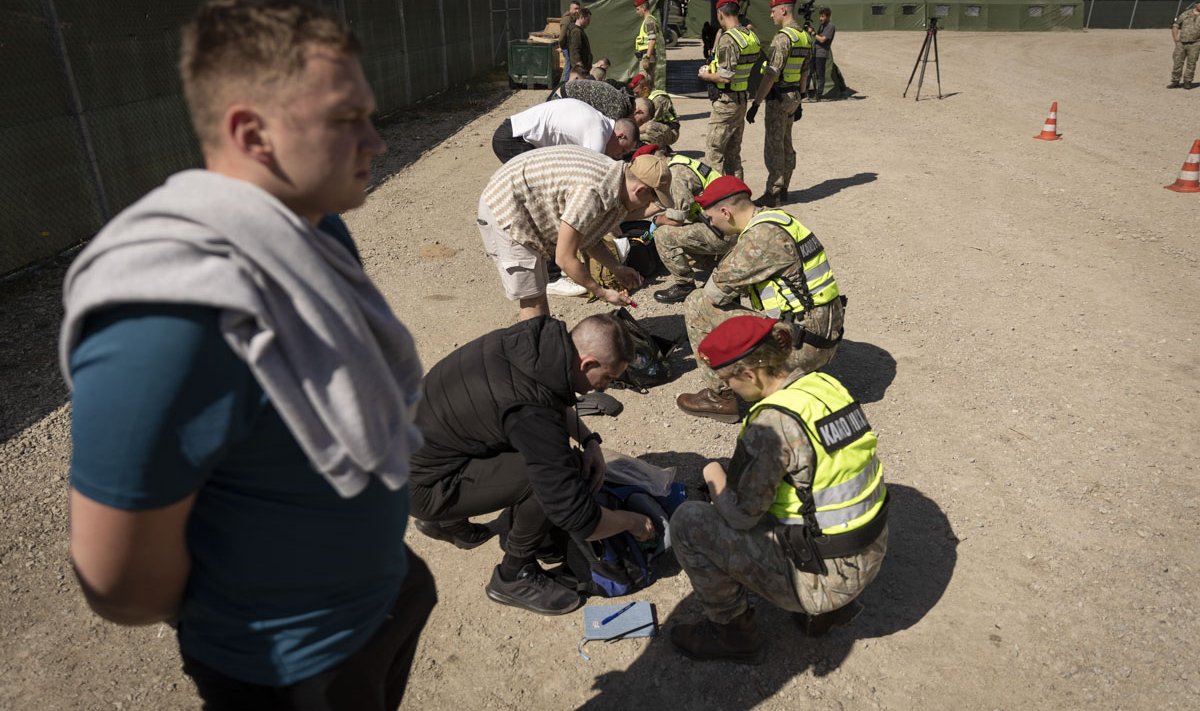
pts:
[821, 625]
[721, 407]
[768, 199]
[739, 640]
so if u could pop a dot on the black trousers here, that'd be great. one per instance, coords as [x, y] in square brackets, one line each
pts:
[819, 70]
[506, 146]
[486, 486]
[372, 679]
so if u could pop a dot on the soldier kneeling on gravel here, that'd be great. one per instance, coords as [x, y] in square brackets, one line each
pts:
[800, 518]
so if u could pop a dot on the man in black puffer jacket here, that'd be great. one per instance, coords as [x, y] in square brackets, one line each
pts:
[498, 419]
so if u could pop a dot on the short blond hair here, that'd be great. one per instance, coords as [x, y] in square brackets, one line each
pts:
[250, 44]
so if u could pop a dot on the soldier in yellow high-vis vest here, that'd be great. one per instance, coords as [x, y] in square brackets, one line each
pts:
[684, 240]
[799, 518]
[781, 88]
[736, 52]
[777, 268]
[646, 45]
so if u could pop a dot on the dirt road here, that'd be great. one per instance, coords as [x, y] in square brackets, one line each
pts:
[1022, 327]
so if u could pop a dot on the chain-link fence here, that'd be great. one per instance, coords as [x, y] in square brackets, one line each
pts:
[92, 115]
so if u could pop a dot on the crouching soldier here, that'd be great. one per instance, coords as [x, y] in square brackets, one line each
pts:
[800, 518]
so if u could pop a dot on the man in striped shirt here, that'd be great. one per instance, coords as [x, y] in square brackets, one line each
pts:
[552, 203]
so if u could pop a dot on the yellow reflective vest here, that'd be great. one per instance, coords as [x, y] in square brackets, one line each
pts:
[778, 297]
[670, 116]
[799, 53]
[702, 171]
[748, 54]
[847, 489]
[642, 41]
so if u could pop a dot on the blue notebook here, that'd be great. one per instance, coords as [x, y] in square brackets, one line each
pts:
[623, 620]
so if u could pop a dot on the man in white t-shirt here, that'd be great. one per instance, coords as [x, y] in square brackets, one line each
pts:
[563, 122]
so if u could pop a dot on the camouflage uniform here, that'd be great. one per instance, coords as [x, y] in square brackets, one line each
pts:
[781, 104]
[659, 131]
[680, 246]
[729, 547]
[727, 121]
[763, 251]
[1187, 48]
[650, 59]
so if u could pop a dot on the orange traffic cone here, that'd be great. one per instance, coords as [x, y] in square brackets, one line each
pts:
[1189, 175]
[1050, 128]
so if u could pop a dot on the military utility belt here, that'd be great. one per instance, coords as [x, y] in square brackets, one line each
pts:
[801, 335]
[673, 125]
[640, 54]
[776, 93]
[715, 92]
[808, 552]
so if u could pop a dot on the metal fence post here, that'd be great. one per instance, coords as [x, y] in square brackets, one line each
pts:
[76, 104]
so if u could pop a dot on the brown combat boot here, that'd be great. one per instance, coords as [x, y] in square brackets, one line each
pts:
[737, 641]
[721, 407]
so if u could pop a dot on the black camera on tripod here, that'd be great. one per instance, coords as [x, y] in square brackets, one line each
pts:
[933, 24]
[807, 10]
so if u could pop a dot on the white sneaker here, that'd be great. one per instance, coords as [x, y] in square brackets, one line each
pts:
[563, 286]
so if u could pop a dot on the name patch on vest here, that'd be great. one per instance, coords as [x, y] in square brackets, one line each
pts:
[809, 247]
[842, 427]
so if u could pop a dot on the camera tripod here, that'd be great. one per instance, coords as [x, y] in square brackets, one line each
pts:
[923, 61]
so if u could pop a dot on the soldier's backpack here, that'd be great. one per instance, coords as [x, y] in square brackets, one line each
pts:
[650, 365]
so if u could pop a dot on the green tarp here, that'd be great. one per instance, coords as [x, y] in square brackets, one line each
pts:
[614, 26]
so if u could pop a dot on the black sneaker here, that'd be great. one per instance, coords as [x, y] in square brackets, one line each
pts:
[533, 590]
[463, 534]
[674, 294]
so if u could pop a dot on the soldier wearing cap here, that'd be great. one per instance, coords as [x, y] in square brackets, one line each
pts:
[737, 51]
[663, 127]
[800, 518]
[550, 203]
[781, 87]
[780, 270]
[684, 240]
[645, 45]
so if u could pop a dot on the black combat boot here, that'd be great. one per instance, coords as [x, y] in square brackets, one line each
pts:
[675, 293]
[821, 625]
[739, 640]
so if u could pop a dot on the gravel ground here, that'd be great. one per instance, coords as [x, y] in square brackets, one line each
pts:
[1021, 328]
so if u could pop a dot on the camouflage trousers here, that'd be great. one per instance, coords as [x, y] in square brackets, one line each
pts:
[724, 564]
[726, 124]
[659, 133]
[778, 153]
[648, 64]
[701, 316]
[1189, 52]
[692, 244]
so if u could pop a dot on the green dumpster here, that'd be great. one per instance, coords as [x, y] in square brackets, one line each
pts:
[532, 64]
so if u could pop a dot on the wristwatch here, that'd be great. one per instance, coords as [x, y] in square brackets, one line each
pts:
[591, 436]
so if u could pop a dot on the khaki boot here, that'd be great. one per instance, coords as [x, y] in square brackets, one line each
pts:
[737, 641]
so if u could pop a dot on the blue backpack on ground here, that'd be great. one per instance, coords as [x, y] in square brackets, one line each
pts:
[621, 564]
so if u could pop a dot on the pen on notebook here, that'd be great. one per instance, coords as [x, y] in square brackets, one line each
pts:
[614, 615]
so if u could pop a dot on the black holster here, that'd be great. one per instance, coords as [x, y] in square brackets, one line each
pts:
[800, 546]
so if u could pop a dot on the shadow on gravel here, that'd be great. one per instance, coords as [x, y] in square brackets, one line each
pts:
[866, 370]
[30, 314]
[920, 562]
[830, 187]
[414, 131]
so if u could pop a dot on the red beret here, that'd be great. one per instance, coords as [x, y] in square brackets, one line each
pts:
[726, 2]
[639, 3]
[734, 339]
[782, 2]
[645, 150]
[637, 79]
[720, 189]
